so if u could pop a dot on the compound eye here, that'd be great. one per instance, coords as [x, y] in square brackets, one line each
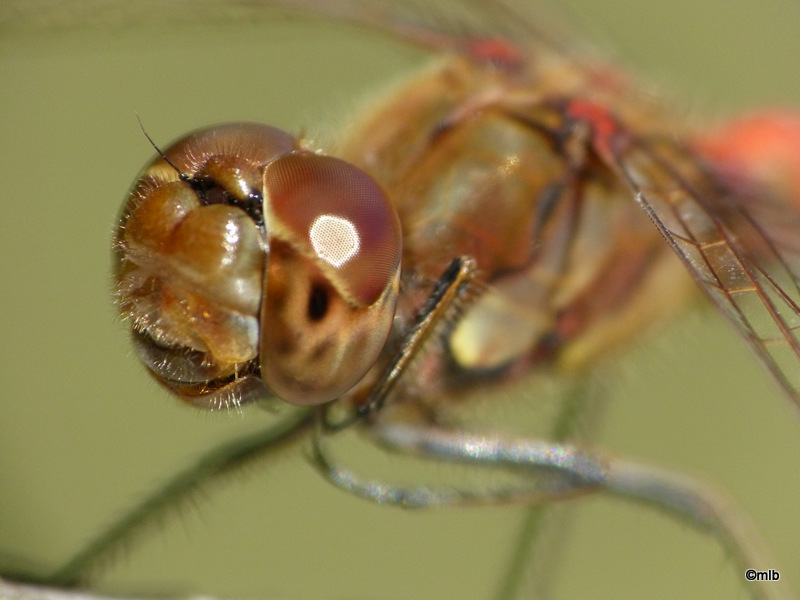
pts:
[332, 276]
[339, 215]
[252, 143]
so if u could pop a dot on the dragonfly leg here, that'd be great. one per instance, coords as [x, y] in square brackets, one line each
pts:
[222, 460]
[552, 472]
[452, 289]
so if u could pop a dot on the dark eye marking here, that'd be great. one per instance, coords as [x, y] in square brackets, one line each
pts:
[318, 301]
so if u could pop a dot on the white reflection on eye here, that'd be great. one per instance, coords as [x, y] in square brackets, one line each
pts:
[335, 239]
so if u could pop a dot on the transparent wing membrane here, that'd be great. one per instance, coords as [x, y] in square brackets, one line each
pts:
[748, 274]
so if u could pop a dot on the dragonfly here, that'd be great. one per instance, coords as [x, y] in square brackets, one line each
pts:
[579, 123]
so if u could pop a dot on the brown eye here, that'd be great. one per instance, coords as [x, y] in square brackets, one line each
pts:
[332, 274]
[246, 146]
[341, 216]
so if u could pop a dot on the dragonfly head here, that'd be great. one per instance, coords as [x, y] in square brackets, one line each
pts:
[241, 255]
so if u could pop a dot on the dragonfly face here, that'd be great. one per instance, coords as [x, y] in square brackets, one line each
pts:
[169, 422]
[241, 260]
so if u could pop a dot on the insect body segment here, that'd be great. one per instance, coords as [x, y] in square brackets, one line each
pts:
[570, 264]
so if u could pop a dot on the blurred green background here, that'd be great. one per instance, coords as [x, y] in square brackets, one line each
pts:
[84, 433]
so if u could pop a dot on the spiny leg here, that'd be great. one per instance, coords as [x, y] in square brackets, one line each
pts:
[447, 294]
[573, 472]
[450, 292]
[222, 460]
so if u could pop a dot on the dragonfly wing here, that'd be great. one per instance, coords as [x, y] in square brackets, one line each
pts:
[449, 25]
[740, 245]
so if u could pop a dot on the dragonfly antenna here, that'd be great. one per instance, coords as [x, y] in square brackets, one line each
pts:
[182, 175]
